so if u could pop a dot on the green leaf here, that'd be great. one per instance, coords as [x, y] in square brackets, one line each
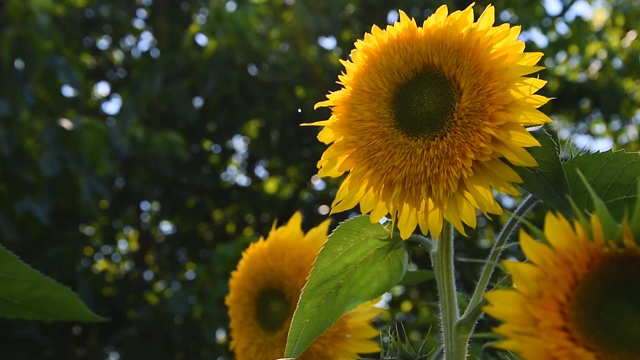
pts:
[417, 277]
[27, 294]
[547, 181]
[359, 262]
[612, 175]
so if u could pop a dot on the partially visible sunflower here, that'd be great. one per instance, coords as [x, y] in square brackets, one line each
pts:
[264, 291]
[578, 298]
[425, 117]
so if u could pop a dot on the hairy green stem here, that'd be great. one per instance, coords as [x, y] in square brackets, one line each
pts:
[455, 346]
[472, 313]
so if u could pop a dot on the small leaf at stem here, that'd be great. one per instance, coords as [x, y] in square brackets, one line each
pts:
[359, 262]
[417, 277]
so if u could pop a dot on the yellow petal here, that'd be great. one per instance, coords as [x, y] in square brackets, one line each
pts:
[535, 251]
[407, 221]
[525, 277]
[486, 19]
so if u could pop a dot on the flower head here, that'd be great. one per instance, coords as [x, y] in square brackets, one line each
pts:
[425, 116]
[264, 291]
[577, 298]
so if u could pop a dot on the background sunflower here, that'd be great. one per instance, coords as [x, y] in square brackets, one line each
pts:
[264, 291]
[576, 299]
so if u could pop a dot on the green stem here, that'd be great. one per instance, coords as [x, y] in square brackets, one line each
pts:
[472, 313]
[455, 347]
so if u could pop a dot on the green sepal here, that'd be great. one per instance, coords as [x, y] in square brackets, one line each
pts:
[533, 230]
[582, 218]
[610, 226]
[634, 222]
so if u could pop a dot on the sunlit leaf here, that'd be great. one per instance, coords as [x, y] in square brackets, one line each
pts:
[27, 294]
[359, 262]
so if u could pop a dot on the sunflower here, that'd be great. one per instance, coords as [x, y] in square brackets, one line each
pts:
[425, 116]
[578, 298]
[264, 291]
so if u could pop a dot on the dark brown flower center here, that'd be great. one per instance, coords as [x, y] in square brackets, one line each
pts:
[273, 309]
[606, 308]
[423, 106]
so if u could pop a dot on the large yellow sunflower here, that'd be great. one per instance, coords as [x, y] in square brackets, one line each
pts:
[264, 291]
[425, 116]
[578, 298]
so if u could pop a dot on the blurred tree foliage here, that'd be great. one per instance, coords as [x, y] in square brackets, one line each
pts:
[144, 144]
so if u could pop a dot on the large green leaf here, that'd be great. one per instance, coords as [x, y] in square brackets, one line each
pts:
[547, 181]
[359, 262]
[612, 175]
[27, 294]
